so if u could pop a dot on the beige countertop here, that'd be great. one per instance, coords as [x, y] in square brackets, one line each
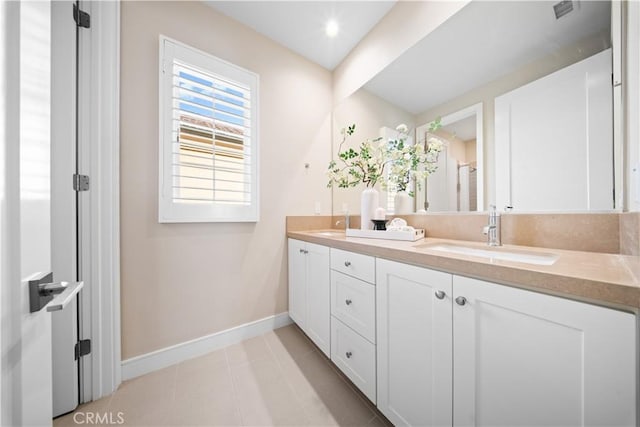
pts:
[606, 279]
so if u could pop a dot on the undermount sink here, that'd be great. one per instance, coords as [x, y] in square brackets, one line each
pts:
[493, 253]
[328, 233]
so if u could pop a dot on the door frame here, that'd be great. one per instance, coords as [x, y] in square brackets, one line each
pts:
[99, 157]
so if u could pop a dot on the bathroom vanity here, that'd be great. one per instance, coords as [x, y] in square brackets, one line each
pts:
[435, 337]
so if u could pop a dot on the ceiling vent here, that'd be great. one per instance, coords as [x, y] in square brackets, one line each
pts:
[562, 8]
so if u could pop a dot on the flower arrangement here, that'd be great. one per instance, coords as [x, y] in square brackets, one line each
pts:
[405, 159]
[364, 166]
[407, 162]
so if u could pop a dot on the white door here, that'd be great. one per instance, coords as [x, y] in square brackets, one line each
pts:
[562, 124]
[318, 285]
[63, 202]
[414, 344]
[437, 190]
[25, 202]
[528, 359]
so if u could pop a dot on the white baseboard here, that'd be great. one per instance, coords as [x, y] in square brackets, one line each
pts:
[168, 356]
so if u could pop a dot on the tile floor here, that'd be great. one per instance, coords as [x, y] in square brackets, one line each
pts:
[276, 379]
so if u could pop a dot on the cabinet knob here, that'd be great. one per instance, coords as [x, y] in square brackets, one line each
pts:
[348, 301]
[347, 263]
[440, 294]
[301, 251]
[461, 300]
[348, 354]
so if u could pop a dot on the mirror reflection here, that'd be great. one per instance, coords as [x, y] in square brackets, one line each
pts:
[457, 183]
[484, 52]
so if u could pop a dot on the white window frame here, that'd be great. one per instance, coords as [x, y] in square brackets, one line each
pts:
[168, 210]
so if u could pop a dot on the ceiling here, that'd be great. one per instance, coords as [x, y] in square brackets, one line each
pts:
[300, 25]
[483, 41]
[464, 129]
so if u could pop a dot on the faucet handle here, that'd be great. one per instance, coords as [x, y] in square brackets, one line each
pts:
[487, 228]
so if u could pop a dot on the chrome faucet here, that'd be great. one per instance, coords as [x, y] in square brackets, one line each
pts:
[493, 229]
[346, 220]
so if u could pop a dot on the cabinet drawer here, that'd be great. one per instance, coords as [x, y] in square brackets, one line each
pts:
[354, 303]
[355, 356]
[357, 265]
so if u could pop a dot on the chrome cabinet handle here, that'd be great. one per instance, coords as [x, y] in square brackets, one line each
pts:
[348, 301]
[347, 263]
[348, 354]
[461, 300]
[440, 294]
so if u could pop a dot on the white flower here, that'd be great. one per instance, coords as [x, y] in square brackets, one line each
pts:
[402, 128]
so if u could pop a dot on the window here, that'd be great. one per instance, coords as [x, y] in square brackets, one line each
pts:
[208, 138]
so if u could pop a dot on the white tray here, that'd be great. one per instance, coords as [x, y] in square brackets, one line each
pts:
[410, 236]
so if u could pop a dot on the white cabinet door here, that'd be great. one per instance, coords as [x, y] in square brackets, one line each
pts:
[309, 291]
[414, 344]
[523, 359]
[297, 285]
[318, 285]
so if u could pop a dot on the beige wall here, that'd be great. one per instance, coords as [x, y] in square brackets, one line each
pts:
[184, 281]
[470, 150]
[457, 147]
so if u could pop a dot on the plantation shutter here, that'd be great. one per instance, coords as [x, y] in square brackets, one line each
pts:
[209, 146]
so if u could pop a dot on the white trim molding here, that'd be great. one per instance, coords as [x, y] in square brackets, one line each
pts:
[168, 356]
[99, 157]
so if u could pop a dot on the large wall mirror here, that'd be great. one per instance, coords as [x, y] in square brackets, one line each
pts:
[509, 137]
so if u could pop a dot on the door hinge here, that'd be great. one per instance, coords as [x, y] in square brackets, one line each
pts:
[83, 347]
[81, 182]
[82, 18]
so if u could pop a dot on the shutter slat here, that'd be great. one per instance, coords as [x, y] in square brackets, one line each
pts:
[219, 152]
[209, 179]
[178, 113]
[237, 202]
[178, 101]
[214, 101]
[196, 166]
[212, 190]
[181, 66]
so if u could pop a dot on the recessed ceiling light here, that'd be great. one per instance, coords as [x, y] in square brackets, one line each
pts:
[331, 28]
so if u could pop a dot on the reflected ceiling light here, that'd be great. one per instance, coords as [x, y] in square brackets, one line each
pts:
[331, 28]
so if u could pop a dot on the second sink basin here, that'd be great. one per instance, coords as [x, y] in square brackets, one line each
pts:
[517, 255]
[330, 233]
